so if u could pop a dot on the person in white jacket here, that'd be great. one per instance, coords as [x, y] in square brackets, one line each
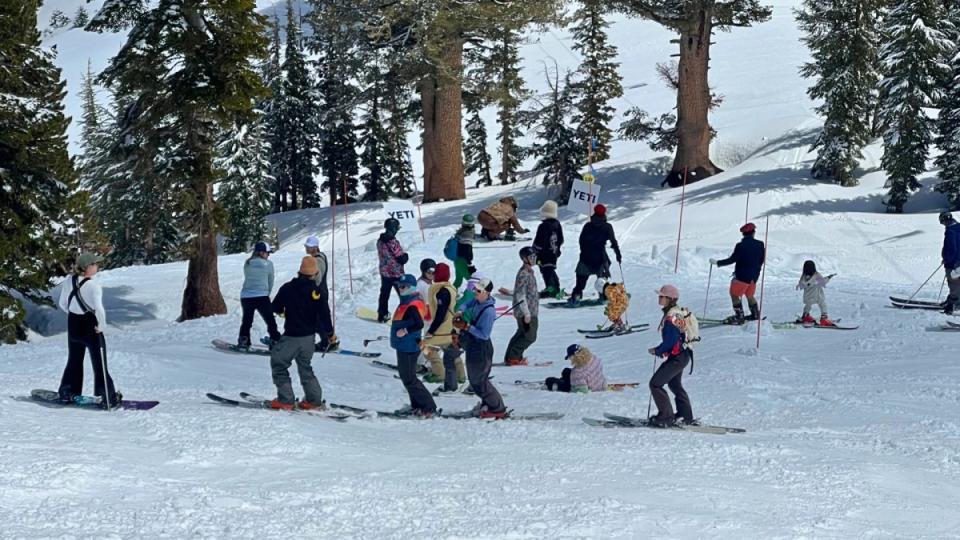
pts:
[812, 283]
[82, 298]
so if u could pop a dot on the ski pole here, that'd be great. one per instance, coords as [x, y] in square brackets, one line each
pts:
[650, 401]
[707, 299]
[369, 341]
[925, 282]
[942, 283]
[103, 367]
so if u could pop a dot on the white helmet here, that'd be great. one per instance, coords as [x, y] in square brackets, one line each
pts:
[600, 284]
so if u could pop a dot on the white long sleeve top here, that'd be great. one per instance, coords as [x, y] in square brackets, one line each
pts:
[92, 294]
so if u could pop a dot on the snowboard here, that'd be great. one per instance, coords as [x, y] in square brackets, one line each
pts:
[582, 304]
[51, 399]
[367, 314]
[222, 345]
[601, 329]
[617, 421]
[463, 415]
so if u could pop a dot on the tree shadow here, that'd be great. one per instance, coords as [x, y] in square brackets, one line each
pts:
[48, 321]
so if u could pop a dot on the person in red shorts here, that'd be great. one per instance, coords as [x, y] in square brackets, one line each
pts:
[748, 258]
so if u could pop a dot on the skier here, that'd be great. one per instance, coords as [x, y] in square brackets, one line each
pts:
[593, 251]
[617, 304]
[547, 242]
[464, 259]
[255, 295]
[749, 256]
[586, 375]
[499, 218]
[441, 298]
[951, 260]
[674, 348]
[526, 298]
[82, 298]
[328, 338]
[392, 258]
[299, 303]
[428, 267]
[475, 340]
[405, 331]
[813, 283]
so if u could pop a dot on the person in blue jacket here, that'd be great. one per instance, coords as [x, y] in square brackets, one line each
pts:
[474, 338]
[951, 260]
[255, 295]
[406, 329]
[678, 355]
[748, 257]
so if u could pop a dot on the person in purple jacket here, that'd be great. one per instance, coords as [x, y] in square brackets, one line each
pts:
[474, 338]
[586, 375]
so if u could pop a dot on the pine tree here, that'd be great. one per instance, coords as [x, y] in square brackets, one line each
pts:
[505, 88]
[246, 188]
[91, 142]
[913, 55]
[36, 174]
[58, 19]
[600, 80]
[81, 17]
[560, 155]
[401, 112]
[276, 129]
[373, 132]
[205, 84]
[842, 36]
[298, 111]
[475, 155]
[948, 124]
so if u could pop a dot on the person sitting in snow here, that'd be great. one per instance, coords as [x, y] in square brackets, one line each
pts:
[813, 284]
[586, 375]
[499, 218]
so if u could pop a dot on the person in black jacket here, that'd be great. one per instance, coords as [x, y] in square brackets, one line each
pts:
[298, 301]
[593, 250]
[749, 256]
[548, 241]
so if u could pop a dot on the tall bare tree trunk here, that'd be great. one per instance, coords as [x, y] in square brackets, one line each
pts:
[693, 104]
[442, 125]
[201, 297]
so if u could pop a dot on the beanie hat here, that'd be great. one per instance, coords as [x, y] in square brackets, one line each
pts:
[946, 217]
[600, 210]
[427, 264]
[749, 228]
[262, 247]
[549, 210]
[408, 280]
[442, 273]
[484, 284]
[669, 291]
[308, 266]
[88, 258]
[468, 219]
[312, 242]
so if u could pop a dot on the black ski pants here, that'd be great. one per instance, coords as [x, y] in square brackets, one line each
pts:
[81, 337]
[386, 285]
[261, 305]
[670, 373]
[479, 363]
[420, 398]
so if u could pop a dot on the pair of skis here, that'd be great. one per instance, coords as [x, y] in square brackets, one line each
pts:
[909, 303]
[222, 345]
[541, 385]
[786, 325]
[618, 421]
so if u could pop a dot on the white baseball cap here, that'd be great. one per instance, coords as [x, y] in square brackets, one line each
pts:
[312, 242]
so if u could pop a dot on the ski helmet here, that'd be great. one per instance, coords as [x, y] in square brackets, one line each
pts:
[426, 265]
[527, 253]
[391, 225]
[749, 228]
[601, 284]
[468, 220]
[945, 217]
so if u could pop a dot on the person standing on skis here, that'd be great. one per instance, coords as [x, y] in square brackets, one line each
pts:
[748, 256]
[474, 337]
[527, 299]
[406, 329]
[392, 258]
[328, 338]
[547, 242]
[82, 298]
[448, 369]
[813, 283]
[672, 347]
[951, 260]
[593, 251]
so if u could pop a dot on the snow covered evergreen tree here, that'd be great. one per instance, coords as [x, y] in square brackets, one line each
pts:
[246, 188]
[36, 174]
[913, 60]
[205, 83]
[475, 155]
[298, 112]
[600, 80]
[948, 124]
[560, 155]
[401, 112]
[276, 130]
[505, 88]
[81, 17]
[842, 36]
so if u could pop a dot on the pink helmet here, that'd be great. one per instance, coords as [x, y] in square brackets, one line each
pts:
[669, 291]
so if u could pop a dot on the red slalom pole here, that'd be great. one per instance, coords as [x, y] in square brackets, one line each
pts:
[683, 196]
[346, 223]
[763, 276]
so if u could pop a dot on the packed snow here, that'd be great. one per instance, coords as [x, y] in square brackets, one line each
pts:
[850, 434]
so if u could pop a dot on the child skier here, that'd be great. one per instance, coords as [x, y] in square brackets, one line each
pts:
[464, 260]
[427, 269]
[813, 284]
[255, 295]
[586, 375]
[438, 340]
[474, 337]
[674, 347]
[547, 242]
[391, 258]
[527, 299]
[405, 332]
[617, 304]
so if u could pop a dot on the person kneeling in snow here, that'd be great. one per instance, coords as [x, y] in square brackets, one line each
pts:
[586, 375]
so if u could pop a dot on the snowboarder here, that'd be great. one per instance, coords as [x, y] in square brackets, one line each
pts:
[405, 331]
[547, 242]
[475, 340]
[674, 348]
[593, 251]
[328, 338]
[617, 304]
[255, 295]
[951, 260]
[526, 298]
[586, 375]
[749, 256]
[499, 218]
[299, 303]
[82, 298]
[812, 283]
[427, 269]
[440, 299]
[391, 258]
[464, 259]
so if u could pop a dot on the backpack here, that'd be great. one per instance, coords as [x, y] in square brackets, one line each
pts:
[691, 332]
[450, 248]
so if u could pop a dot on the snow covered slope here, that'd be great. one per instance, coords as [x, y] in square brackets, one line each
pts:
[850, 434]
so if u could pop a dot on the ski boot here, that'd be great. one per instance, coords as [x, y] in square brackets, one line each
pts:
[754, 313]
[444, 391]
[806, 319]
[824, 321]
[243, 343]
[549, 292]
[432, 378]
[420, 413]
[278, 405]
[308, 406]
[270, 343]
[736, 318]
[115, 401]
[510, 235]
[662, 422]
[487, 414]
[574, 301]
[516, 362]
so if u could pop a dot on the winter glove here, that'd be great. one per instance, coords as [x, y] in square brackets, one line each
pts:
[403, 258]
[955, 274]
[461, 324]
[713, 261]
